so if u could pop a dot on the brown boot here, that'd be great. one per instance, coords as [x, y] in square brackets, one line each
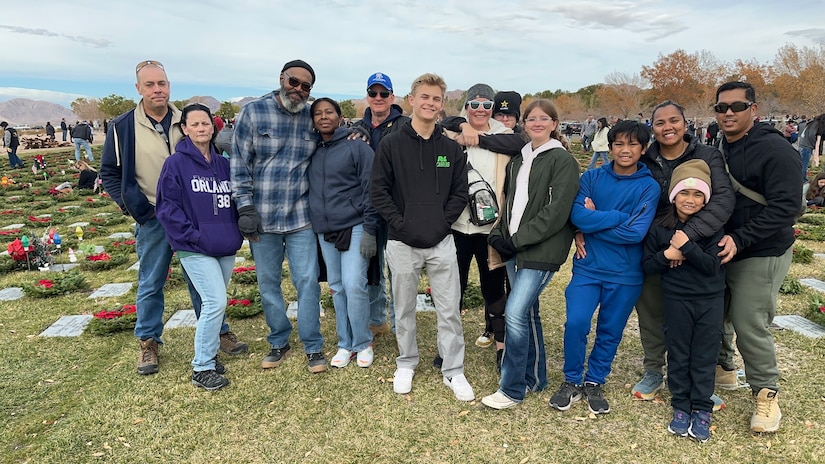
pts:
[148, 358]
[231, 345]
[726, 379]
[767, 414]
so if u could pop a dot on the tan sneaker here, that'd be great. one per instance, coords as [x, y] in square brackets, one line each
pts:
[727, 380]
[382, 329]
[231, 345]
[148, 357]
[767, 414]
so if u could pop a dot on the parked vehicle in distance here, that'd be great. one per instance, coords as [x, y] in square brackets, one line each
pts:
[574, 126]
[21, 127]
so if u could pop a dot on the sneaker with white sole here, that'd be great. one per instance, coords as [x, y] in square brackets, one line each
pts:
[718, 402]
[365, 357]
[568, 394]
[498, 400]
[342, 358]
[767, 414]
[460, 387]
[402, 384]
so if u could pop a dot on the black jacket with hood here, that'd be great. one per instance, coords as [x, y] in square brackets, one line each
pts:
[766, 163]
[419, 186]
[715, 214]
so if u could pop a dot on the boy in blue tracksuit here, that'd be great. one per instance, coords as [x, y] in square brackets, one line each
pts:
[613, 211]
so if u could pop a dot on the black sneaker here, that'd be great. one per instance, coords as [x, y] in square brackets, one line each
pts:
[596, 401]
[219, 368]
[438, 361]
[317, 362]
[568, 394]
[209, 380]
[275, 357]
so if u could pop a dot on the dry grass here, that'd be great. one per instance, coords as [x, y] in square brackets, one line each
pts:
[80, 400]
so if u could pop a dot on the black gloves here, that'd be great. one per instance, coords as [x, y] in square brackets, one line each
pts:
[368, 245]
[249, 222]
[504, 247]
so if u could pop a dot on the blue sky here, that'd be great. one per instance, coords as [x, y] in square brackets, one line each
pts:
[58, 51]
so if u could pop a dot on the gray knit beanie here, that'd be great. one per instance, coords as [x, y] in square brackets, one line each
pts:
[480, 91]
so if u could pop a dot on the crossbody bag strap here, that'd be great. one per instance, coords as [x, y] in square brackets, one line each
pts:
[738, 187]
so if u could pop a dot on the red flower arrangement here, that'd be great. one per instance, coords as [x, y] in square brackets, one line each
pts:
[16, 250]
[237, 302]
[45, 283]
[11, 211]
[239, 270]
[124, 243]
[10, 232]
[244, 275]
[126, 309]
[100, 257]
[37, 219]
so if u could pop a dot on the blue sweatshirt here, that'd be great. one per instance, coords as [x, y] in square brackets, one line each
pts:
[194, 203]
[615, 231]
[339, 177]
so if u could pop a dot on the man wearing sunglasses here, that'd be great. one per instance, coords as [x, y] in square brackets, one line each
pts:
[758, 243]
[271, 150]
[382, 117]
[138, 143]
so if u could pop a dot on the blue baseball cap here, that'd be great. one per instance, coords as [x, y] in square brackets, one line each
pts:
[380, 78]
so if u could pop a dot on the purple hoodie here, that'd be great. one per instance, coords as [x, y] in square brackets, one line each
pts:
[194, 203]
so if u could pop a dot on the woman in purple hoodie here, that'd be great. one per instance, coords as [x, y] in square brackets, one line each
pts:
[194, 206]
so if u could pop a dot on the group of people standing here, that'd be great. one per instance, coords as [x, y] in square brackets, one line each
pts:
[657, 227]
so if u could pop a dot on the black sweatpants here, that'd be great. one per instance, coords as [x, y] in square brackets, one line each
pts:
[491, 282]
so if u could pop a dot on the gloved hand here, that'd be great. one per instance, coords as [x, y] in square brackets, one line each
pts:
[504, 247]
[368, 245]
[249, 222]
[357, 132]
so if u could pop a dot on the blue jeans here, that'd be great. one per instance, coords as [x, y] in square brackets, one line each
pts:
[378, 293]
[595, 157]
[78, 142]
[347, 277]
[524, 364]
[300, 249]
[155, 255]
[14, 160]
[615, 303]
[806, 158]
[210, 277]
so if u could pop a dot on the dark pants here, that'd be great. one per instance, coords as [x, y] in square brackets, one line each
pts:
[14, 160]
[693, 335]
[491, 282]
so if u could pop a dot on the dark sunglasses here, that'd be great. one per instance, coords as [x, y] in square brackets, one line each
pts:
[487, 105]
[383, 93]
[146, 63]
[305, 86]
[735, 106]
[159, 128]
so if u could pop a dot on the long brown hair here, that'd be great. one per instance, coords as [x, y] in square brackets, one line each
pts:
[813, 188]
[550, 110]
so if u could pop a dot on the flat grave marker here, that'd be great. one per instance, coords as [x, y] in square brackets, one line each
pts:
[182, 318]
[134, 267]
[78, 224]
[421, 303]
[109, 290]
[815, 284]
[121, 236]
[68, 326]
[14, 226]
[61, 267]
[800, 325]
[11, 294]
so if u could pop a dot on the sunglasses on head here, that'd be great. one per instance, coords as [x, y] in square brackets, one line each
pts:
[305, 86]
[487, 105]
[735, 106]
[159, 129]
[383, 93]
[146, 63]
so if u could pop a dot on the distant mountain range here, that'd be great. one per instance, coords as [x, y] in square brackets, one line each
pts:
[37, 113]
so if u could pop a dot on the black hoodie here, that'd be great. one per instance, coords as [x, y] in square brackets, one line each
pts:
[419, 186]
[765, 162]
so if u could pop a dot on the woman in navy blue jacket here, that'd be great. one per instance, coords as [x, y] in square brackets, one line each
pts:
[194, 206]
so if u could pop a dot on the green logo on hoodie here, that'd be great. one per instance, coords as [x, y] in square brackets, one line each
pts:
[442, 162]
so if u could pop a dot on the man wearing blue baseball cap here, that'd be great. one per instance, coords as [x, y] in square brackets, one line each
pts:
[382, 117]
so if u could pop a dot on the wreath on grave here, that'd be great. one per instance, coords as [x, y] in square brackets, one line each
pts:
[790, 286]
[109, 219]
[103, 261]
[802, 255]
[244, 275]
[125, 246]
[95, 202]
[61, 284]
[241, 305]
[816, 309]
[109, 322]
[174, 278]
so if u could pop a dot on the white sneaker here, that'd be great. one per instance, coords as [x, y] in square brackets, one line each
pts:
[498, 401]
[365, 357]
[403, 380]
[342, 358]
[460, 387]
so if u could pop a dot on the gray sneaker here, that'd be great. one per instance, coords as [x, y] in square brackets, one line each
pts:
[275, 357]
[209, 380]
[568, 394]
[317, 363]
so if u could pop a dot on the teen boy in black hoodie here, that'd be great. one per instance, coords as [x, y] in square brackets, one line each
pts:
[419, 186]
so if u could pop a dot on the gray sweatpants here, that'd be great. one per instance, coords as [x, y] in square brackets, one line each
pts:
[405, 263]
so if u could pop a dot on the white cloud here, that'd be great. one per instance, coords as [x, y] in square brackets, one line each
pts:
[65, 99]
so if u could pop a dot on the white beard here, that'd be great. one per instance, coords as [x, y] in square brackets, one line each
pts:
[287, 103]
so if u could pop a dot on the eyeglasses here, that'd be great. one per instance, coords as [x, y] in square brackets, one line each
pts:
[159, 128]
[383, 93]
[305, 86]
[542, 119]
[146, 63]
[487, 105]
[735, 106]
